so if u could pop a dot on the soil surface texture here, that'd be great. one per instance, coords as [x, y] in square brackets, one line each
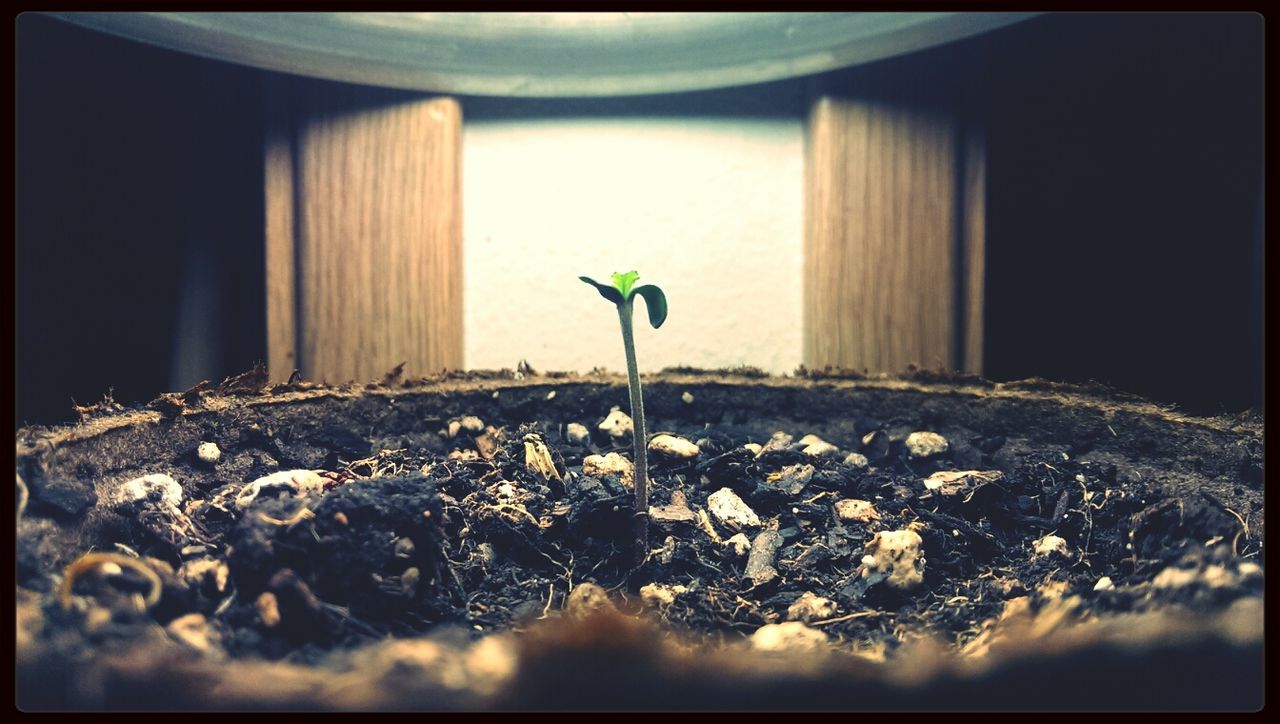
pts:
[466, 542]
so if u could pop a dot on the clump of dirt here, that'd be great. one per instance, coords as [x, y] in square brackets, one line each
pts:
[848, 514]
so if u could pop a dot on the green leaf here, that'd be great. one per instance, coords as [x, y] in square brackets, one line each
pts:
[655, 301]
[605, 290]
[624, 282]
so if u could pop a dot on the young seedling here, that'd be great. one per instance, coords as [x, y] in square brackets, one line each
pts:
[621, 293]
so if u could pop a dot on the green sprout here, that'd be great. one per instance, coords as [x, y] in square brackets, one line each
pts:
[621, 293]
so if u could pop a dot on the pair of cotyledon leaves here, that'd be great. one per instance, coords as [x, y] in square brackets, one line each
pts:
[624, 290]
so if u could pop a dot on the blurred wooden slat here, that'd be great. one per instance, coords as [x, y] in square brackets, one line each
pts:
[974, 246]
[881, 269]
[376, 232]
[282, 341]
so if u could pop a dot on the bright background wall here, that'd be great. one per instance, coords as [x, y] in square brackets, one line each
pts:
[704, 199]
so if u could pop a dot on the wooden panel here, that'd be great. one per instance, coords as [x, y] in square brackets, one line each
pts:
[974, 246]
[282, 343]
[880, 284]
[377, 226]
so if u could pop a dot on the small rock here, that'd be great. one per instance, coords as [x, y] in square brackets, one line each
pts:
[673, 447]
[576, 433]
[454, 428]
[764, 549]
[157, 488]
[738, 544]
[821, 449]
[686, 397]
[809, 607]
[790, 635]
[894, 557]
[858, 511]
[857, 460]
[194, 631]
[925, 444]
[779, 441]
[791, 479]
[731, 511]
[301, 483]
[208, 453]
[1248, 569]
[1051, 545]
[754, 447]
[659, 594]
[1104, 584]
[617, 423]
[955, 482]
[586, 599]
[471, 424]
[268, 609]
[610, 464]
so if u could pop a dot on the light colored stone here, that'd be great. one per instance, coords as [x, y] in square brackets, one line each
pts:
[611, 464]
[810, 607]
[955, 482]
[789, 635]
[895, 555]
[764, 550]
[821, 449]
[1051, 545]
[778, 441]
[857, 460]
[755, 447]
[576, 433]
[455, 427]
[617, 423]
[857, 511]
[686, 397]
[673, 447]
[301, 483]
[660, 594]
[738, 544]
[208, 453]
[731, 511]
[197, 572]
[157, 487]
[471, 424]
[1104, 584]
[924, 444]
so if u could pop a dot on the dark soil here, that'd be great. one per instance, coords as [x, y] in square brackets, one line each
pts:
[417, 529]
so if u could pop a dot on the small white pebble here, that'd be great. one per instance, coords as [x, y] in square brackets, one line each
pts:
[657, 594]
[455, 427]
[208, 453]
[674, 447]
[788, 635]
[1249, 569]
[551, 395]
[754, 447]
[861, 511]
[617, 423]
[156, 487]
[925, 444]
[821, 449]
[610, 464]
[896, 555]
[731, 511]
[576, 433]
[857, 460]
[739, 545]
[1104, 584]
[687, 398]
[1051, 544]
[472, 424]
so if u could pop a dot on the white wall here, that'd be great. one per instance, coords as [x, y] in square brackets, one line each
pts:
[709, 207]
